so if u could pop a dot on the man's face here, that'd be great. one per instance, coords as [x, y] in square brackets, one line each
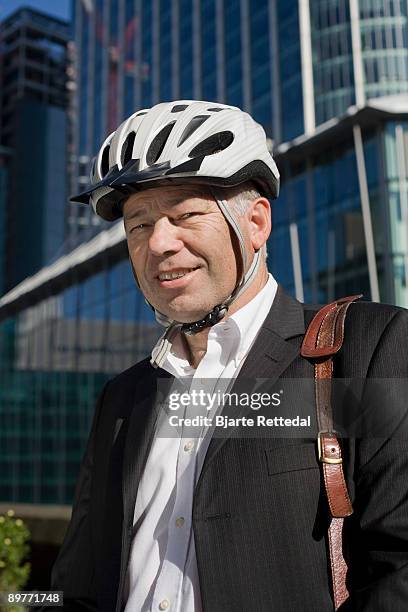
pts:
[173, 231]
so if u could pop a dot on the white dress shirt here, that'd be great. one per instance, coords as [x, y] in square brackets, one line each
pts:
[162, 573]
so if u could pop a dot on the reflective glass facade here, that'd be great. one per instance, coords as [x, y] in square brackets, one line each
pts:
[293, 65]
[133, 54]
[33, 64]
[165, 41]
[396, 168]
[332, 58]
[129, 58]
[33, 126]
[290, 74]
[54, 359]
[378, 53]
[208, 17]
[115, 50]
[184, 39]
[384, 42]
[146, 54]
[39, 148]
[321, 196]
[99, 82]
[260, 69]
[4, 172]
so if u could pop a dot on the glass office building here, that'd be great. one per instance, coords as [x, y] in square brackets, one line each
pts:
[33, 126]
[5, 155]
[360, 51]
[64, 332]
[293, 64]
[342, 215]
[132, 54]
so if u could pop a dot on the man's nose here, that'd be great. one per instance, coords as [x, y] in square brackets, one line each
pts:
[164, 238]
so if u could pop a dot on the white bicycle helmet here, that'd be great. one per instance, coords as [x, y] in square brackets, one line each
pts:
[180, 142]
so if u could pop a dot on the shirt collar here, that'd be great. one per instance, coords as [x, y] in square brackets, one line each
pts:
[248, 320]
[241, 328]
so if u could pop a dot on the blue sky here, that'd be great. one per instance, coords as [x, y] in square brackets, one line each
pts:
[58, 8]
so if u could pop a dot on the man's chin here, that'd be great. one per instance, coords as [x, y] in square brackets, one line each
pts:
[183, 309]
[185, 319]
[181, 316]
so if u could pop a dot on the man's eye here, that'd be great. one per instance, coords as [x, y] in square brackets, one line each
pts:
[137, 227]
[187, 215]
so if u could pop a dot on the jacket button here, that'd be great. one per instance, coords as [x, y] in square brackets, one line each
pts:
[163, 605]
[189, 447]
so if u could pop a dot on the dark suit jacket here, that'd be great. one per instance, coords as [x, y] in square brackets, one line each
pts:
[259, 515]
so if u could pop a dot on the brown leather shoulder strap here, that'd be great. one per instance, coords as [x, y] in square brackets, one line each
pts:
[325, 333]
[323, 339]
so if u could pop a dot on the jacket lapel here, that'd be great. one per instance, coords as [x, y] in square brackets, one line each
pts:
[139, 437]
[276, 346]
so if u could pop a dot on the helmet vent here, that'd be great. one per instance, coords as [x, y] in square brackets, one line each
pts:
[213, 144]
[215, 109]
[192, 127]
[158, 143]
[127, 148]
[105, 161]
[178, 108]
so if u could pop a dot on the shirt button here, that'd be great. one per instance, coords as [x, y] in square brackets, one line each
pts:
[180, 521]
[163, 605]
[188, 447]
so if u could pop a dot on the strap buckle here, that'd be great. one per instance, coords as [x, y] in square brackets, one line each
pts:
[320, 447]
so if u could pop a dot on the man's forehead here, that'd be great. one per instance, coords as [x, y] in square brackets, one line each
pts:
[165, 196]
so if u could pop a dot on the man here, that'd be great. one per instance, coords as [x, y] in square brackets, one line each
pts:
[198, 519]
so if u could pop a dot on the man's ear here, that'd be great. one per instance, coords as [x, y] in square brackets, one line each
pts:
[260, 223]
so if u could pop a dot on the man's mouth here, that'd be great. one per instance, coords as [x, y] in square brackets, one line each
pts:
[172, 274]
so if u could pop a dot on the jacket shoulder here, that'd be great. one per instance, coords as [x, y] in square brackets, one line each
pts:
[367, 326]
[126, 382]
[371, 319]
[364, 313]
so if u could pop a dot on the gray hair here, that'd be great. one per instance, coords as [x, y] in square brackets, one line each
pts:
[240, 197]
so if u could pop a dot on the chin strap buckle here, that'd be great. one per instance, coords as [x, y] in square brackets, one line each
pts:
[213, 317]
